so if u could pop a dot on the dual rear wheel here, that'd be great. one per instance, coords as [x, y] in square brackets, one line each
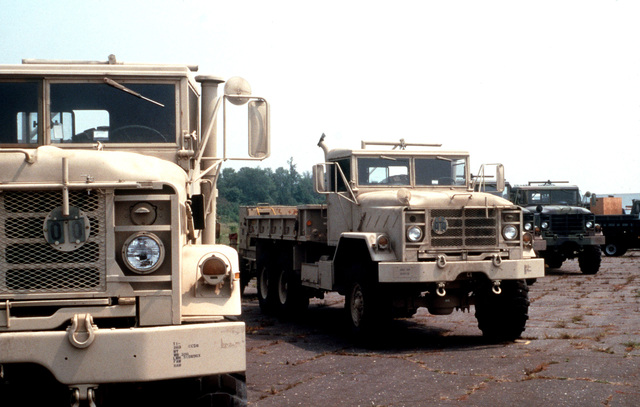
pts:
[280, 291]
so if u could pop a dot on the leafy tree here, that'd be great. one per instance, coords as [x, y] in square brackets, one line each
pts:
[251, 186]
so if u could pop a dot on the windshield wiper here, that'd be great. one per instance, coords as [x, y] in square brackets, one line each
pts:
[116, 85]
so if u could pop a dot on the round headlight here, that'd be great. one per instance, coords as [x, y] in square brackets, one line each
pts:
[589, 224]
[143, 252]
[528, 226]
[510, 232]
[545, 225]
[414, 234]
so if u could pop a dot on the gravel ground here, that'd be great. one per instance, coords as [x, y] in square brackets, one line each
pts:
[581, 348]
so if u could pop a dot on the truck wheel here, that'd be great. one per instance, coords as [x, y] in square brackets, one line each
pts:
[614, 249]
[227, 390]
[589, 259]
[554, 261]
[365, 309]
[502, 317]
[266, 290]
[291, 299]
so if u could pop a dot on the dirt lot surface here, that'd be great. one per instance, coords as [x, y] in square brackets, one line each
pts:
[581, 348]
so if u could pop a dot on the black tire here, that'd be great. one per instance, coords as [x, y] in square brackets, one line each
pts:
[245, 275]
[503, 317]
[553, 260]
[614, 249]
[589, 259]
[266, 290]
[290, 296]
[366, 309]
[225, 390]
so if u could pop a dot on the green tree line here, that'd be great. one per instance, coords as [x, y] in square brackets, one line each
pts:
[250, 186]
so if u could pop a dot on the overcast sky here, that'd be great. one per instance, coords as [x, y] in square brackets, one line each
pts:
[549, 88]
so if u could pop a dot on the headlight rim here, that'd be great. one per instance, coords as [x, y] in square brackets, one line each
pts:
[506, 234]
[161, 252]
[420, 234]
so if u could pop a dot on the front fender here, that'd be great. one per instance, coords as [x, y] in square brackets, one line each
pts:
[370, 239]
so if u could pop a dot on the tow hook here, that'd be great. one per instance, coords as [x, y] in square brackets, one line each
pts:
[440, 290]
[81, 333]
[497, 260]
[442, 261]
[83, 393]
[496, 288]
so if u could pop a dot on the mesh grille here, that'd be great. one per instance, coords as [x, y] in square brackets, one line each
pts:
[568, 224]
[28, 264]
[465, 228]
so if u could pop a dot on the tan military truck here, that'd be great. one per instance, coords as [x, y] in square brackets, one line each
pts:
[111, 281]
[401, 229]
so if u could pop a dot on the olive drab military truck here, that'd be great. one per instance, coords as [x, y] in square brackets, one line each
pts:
[112, 287]
[569, 230]
[400, 230]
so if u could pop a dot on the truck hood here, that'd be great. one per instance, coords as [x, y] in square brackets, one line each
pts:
[430, 199]
[100, 166]
[559, 210]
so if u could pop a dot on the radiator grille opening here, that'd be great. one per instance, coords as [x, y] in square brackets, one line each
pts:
[28, 264]
[465, 228]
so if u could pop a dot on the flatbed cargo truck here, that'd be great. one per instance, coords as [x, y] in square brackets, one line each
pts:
[401, 229]
[621, 232]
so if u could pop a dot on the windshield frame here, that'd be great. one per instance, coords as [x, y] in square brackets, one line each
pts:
[411, 158]
[44, 112]
[528, 193]
[128, 82]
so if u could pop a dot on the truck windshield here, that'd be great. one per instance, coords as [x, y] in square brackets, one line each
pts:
[440, 171]
[91, 112]
[553, 197]
[383, 171]
[88, 113]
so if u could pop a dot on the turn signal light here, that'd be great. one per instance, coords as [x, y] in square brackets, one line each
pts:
[214, 266]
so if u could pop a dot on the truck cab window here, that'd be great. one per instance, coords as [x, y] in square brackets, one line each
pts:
[334, 174]
[19, 113]
[554, 197]
[91, 112]
[440, 171]
[383, 171]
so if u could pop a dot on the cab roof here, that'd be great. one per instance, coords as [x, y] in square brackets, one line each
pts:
[344, 153]
[34, 68]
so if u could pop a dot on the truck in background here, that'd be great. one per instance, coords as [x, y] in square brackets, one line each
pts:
[112, 286]
[621, 231]
[401, 229]
[569, 229]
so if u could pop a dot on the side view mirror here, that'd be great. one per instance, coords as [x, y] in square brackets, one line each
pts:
[499, 178]
[319, 179]
[259, 132]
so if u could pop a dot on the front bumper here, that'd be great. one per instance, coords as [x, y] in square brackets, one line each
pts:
[555, 240]
[132, 355]
[427, 272]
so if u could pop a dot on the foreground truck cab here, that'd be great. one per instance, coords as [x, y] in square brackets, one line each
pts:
[569, 230]
[400, 230]
[111, 283]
